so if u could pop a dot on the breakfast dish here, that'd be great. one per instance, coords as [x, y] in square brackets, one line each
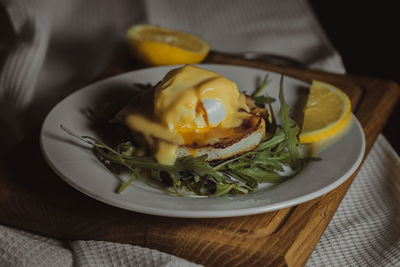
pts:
[68, 156]
[194, 111]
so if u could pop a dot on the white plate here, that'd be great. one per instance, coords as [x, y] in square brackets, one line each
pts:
[73, 161]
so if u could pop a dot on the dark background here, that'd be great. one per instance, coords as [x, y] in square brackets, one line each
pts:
[366, 35]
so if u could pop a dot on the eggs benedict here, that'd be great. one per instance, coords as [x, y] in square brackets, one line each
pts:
[194, 111]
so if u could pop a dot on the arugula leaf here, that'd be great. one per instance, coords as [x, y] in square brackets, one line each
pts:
[261, 175]
[260, 90]
[263, 100]
[198, 166]
[127, 183]
[290, 128]
[223, 189]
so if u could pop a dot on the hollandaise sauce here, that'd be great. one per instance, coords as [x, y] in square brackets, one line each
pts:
[190, 105]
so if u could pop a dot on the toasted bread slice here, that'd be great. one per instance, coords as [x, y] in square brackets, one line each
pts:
[239, 143]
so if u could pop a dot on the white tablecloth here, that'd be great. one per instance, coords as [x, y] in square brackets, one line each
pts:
[62, 45]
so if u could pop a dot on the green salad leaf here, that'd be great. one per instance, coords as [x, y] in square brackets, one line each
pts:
[291, 130]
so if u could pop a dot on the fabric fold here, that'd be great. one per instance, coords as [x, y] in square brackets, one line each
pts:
[20, 70]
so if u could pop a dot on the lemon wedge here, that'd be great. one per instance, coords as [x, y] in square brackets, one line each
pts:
[326, 114]
[156, 46]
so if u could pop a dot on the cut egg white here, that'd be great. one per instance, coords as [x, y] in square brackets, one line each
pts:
[215, 111]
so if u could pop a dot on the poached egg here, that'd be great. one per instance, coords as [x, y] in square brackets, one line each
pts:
[191, 106]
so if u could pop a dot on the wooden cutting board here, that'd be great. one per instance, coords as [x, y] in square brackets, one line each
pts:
[33, 198]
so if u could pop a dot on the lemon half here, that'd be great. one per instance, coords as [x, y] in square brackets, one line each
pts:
[155, 46]
[327, 112]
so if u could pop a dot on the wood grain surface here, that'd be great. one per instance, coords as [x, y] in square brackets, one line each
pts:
[33, 198]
